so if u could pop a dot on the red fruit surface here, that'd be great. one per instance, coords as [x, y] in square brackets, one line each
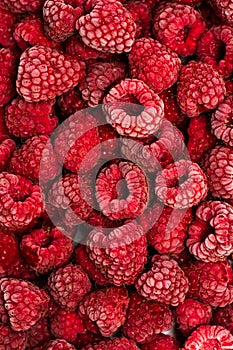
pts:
[162, 341]
[9, 253]
[8, 63]
[59, 344]
[224, 317]
[8, 22]
[224, 10]
[7, 147]
[70, 102]
[113, 344]
[21, 6]
[109, 141]
[141, 14]
[11, 340]
[38, 334]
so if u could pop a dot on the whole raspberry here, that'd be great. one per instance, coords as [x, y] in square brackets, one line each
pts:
[70, 102]
[224, 317]
[10, 340]
[210, 235]
[145, 319]
[146, 59]
[46, 249]
[179, 27]
[108, 141]
[106, 308]
[59, 344]
[209, 338]
[181, 185]
[25, 303]
[224, 10]
[121, 254]
[8, 63]
[21, 6]
[7, 147]
[38, 334]
[21, 203]
[45, 73]
[206, 91]
[8, 21]
[218, 166]
[113, 344]
[161, 341]
[164, 282]
[108, 27]
[216, 48]
[9, 253]
[99, 77]
[141, 14]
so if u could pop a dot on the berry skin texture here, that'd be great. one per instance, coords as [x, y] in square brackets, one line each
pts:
[142, 16]
[7, 147]
[161, 341]
[20, 6]
[121, 255]
[70, 102]
[38, 334]
[7, 76]
[224, 317]
[113, 344]
[46, 249]
[10, 340]
[106, 308]
[109, 141]
[177, 193]
[45, 73]
[8, 21]
[59, 344]
[164, 282]
[9, 252]
[179, 27]
[108, 27]
[25, 303]
[206, 91]
[145, 319]
[224, 10]
[146, 59]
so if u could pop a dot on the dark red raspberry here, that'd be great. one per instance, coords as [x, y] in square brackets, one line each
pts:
[106, 308]
[38, 334]
[3, 129]
[224, 317]
[206, 91]
[22, 271]
[224, 10]
[161, 341]
[207, 13]
[179, 27]
[10, 340]
[7, 147]
[8, 21]
[113, 344]
[98, 219]
[45, 73]
[142, 16]
[193, 271]
[9, 253]
[59, 344]
[87, 339]
[70, 102]
[7, 75]
[108, 141]
[146, 59]
[21, 6]
[145, 319]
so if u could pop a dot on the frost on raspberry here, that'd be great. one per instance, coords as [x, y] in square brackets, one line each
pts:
[7, 146]
[11, 340]
[224, 10]
[22, 6]
[59, 344]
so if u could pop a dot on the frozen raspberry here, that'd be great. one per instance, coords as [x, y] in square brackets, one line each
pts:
[181, 185]
[8, 21]
[218, 166]
[45, 73]
[21, 6]
[3, 129]
[113, 344]
[59, 344]
[224, 317]
[200, 138]
[99, 77]
[205, 92]
[165, 282]
[224, 9]
[10, 340]
[193, 271]
[108, 140]
[161, 341]
[38, 334]
[7, 147]
[121, 254]
[209, 338]
[7, 75]
[46, 249]
[179, 27]
[145, 319]
[146, 59]
[108, 27]
[70, 102]
[87, 339]
[9, 253]
[216, 48]
[107, 308]
[98, 219]
[60, 17]
[25, 303]
[22, 271]
[142, 16]
[25, 119]
[21, 203]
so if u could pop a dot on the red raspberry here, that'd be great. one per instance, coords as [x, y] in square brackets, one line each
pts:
[113, 344]
[206, 91]
[146, 59]
[10, 340]
[21, 203]
[187, 2]
[145, 319]
[193, 271]
[7, 147]
[181, 185]
[59, 344]
[224, 317]
[161, 341]
[165, 282]
[7, 76]
[87, 339]
[8, 21]
[38, 334]
[21, 6]
[98, 219]
[108, 141]
[200, 138]
[108, 27]
[9, 253]
[179, 27]
[25, 303]
[218, 166]
[216, 48]
[210, 17]
[45, 73]
[46, 249]
[22, 271]
[70, 102]
[142, 16]
[107, 308]
[121, 255]
[224, 10]
[209, 338]
[25, 119]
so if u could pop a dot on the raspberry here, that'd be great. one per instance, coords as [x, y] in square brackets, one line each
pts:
[70, 102]
[206, 91]
[209, 16]
[7, 147]
[8, 21]
[179, 27]
[113, 344]
[25, 303]
[181, 185]
[165, 282]
[22, 271]
[146, 59]
[161, 341]
[21, 203]
[224, 317]
[218, 166]
[38, 334]
[224, 10]
[145, 319]
[46, 249]
[87, 339]
[59, 344]
[108, 140]
[45, 73]
[7, 76]
[141, 14]
[121, 255]
[9, 252]
[20, 6]
[193, 271]
[216, 48]
[107, 308]
[208, 338]
[108, 27]
[10, 340]
[25, 119]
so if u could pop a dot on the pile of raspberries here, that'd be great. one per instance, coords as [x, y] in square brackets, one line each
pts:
[116, 175]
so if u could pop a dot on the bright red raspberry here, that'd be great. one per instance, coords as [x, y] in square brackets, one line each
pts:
[224, 317]
[9, 253]
[106, 308]
[46, 249]
[141, 14]
[7, 147]
[8, 21]
[162, 341]
[145, 319]
[113, 344]
[224, 9]
[59, 344]
[109, 141]
[21, 6]
[38, 334]
[45, 73]
[181, 185]
[10, 340]
[179, 27]
[146, 59]
[70, 102]
[8, 63]
[205, 92]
